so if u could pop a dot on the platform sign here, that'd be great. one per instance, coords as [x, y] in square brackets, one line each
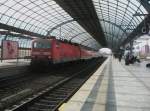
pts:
[9, 49]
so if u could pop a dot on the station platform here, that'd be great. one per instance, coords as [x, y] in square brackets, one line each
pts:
[14, 63]
[113, 87]
[13, 67]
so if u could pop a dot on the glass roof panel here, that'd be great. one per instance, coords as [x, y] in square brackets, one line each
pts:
[119, 17]
[28, 10]
[72, 32]
[40, 16]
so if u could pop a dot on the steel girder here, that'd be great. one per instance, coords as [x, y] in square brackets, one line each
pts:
[76, 36]
[84, 13]
[15, 35]
[59, 25]
[21, 31]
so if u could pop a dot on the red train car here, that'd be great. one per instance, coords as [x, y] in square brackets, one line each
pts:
[52, 51]
[64, 52]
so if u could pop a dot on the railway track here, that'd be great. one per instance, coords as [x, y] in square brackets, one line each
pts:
[52, 97]
[14, 84]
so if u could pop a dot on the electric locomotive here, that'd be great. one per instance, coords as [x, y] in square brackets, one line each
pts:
[53, 51]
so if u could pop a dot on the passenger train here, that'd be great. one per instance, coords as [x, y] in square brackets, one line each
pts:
[53, 51]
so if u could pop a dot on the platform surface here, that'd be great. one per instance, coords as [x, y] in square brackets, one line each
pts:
[113, 87]
[13, 67]
[13, 63]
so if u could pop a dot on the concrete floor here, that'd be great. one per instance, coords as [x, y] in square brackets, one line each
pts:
[113, 87]
[13, 63]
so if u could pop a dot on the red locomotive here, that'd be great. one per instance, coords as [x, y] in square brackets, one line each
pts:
[53, 51]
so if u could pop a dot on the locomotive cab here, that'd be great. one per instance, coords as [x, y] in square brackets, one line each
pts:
[41, 52]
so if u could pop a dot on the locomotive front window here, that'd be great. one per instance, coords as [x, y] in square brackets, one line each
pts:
[41, 45]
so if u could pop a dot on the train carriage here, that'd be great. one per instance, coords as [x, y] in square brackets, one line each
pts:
[53, 51]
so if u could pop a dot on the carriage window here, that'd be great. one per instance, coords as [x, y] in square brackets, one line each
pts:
[41, 45]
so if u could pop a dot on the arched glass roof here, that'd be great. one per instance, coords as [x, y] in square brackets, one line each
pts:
[40, 16]
[46, 17]
[116, 18]
[73, 32]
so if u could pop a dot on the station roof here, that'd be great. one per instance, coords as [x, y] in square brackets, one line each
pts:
[117, 18]
[44, 17]
[93, 23]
